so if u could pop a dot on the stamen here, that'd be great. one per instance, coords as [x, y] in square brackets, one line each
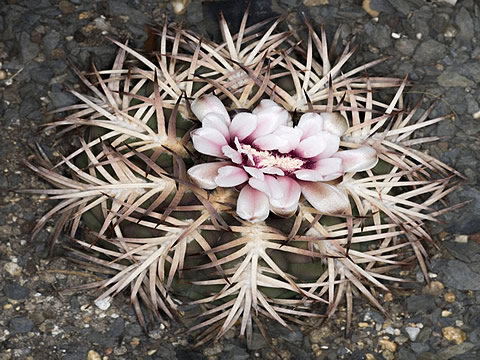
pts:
[269, 159]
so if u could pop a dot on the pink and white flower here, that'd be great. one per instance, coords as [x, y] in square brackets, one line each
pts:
[276, 163]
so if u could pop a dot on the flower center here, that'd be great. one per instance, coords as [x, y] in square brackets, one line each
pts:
[271, 158]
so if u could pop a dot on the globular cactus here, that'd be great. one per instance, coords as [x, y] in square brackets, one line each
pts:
[255, 177]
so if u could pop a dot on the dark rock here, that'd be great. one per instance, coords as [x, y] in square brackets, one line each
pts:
[21, 325]
[61, 99]
[401, 6]
[51, 40]
[454, 350]
[458, 275]
[133, 330]
[383, 6]
[454, 79]
[292, 336]
[166, 351]
[429, 51]
[405, 354]
[234, 352]
[464, 23]
[117, 8]
[116, 328]
[28, 49]
[41, 74]
[420, 304]
[419, 348]
[16, 292]
[406, 46]
[467, 252]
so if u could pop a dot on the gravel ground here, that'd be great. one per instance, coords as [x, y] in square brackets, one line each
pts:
[435, 42]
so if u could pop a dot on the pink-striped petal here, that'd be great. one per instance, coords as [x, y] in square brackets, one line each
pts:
[287, 204]
[334, 123]
[208, 141]
[273, 171]
[360, 159]
[229, 176]
[325, 198]
[252, 205]
[216, 121]
[234, 155]
[209, 104]
[243, 125]
[322, 170]
[310, 124]
[203, 175]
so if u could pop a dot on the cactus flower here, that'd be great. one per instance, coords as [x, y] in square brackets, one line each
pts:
[272, 161]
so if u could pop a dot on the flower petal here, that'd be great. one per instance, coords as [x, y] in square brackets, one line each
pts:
[209, 104]
[229, 176]
[252, 205]
[287, 204]
[270, 142]
[243, 125]
[332, 143]
[269, 117]
[234, 155]
[360, 159]
[268, 185]
[326, 198]
[290, 135]
[311, 146]
[311, 124]
[254, 172]
[216, 121]
[203, 175]
[334, 123]
[208, 141]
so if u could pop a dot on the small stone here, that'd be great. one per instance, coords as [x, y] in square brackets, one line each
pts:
[412, 332]
[93, 355]
[103, 304]
[388, 345]
[454, 351]
[315, 2]
[16, 292]
[388, 297]
[215, 349]
[463, 239]
[388, 355]
[452, 333]
[435, 288]
[449, 297]
[446, 313]
[458, 275]
[21, 325]
[363, 325]
[429, 51]
[369, 356]
[368, 9]
[135, 342]
[66, 7]
[450, 78]
[406, 46]
[11, 267]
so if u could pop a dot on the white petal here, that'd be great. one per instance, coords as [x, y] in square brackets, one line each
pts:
[270, 142]
[269, 117]
[360, 159]
[287, 204]
[208, 141]
[328, 166]
[216, 121]
[268, 185]
[209, 104]
[334, 123]
[252, 205]
[243, 125]
[272, 171]
[229, 152]
[325, 197]
[331, 142]
[229, 176]
[311, 124]
[308, 175]
[311, 146]
[203, 175]
[290, 135]
[254, 172]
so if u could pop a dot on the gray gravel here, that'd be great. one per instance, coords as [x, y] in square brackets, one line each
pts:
[435, 42]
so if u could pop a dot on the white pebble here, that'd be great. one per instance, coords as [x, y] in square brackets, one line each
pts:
[412, 332]
[103, 304]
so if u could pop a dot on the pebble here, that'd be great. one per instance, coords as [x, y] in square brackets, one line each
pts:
[412, 332]
[435, 288]
[93, 355]
[429, 51]
[455, 334]
[453, 79]
[12, 268]
[388, 345]
[21, 325]
[16, 292]
[449, 297]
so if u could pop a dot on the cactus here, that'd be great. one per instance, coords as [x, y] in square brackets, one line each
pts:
[255, 177]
